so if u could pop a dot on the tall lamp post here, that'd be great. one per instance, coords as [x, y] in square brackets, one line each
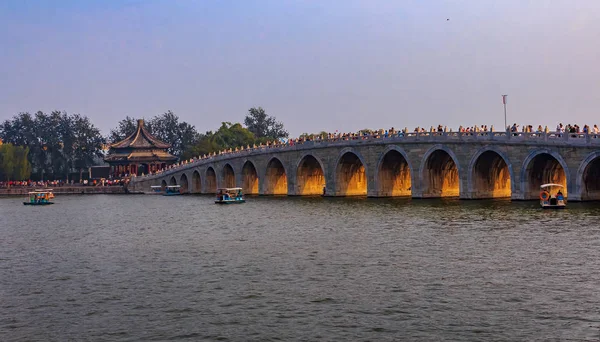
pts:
[504, 103]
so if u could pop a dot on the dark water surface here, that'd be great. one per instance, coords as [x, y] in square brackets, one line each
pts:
[154, 268]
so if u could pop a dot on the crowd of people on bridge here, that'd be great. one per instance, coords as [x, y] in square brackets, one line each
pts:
[575, 129]
[337, 136]
[560, 128]
[392, 132]
[59, 183]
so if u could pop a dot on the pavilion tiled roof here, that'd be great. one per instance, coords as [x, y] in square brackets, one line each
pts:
[141, 138]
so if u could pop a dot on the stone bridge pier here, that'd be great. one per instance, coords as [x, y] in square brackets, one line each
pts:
[424, 165]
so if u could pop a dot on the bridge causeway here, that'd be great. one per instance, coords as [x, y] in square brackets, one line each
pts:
[473, 165]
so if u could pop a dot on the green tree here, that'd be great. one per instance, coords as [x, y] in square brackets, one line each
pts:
[233, 135]
[22, 167]
[56, 141]
[87, 143]
[125, 128]
[7, 161]
[205, 145]
[63, 150]
[29, 130]
[13, 162]
[227, 136]
[263, 125]
[180, 135]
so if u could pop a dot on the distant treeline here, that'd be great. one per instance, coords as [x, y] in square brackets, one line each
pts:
[55, 144]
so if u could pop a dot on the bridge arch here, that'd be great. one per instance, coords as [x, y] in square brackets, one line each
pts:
[172, 181]
[211, 180]
[588, 175]
[249, 178]
[228, 176]
[310, 175]
[163, 184]
[183, 182]
[393, 174]
[275, 180]
[196, 182]
[440, 173]
[490, 174]
[543, 166]
[350, 173]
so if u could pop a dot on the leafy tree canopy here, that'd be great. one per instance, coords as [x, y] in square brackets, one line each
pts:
[58, 142]
[228, 136]
[263, 125]
[13, 162]
[124, 128]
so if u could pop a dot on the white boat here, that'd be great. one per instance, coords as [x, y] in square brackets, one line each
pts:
[156, 189]
[551, 196]
[40, 197]
[230, 196]
[172, 190]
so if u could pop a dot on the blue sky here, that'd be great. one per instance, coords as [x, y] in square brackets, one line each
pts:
[315, 65]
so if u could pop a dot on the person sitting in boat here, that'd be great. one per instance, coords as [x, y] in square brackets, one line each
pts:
[559, 196]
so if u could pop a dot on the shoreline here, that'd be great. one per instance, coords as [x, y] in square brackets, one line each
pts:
[69, 190]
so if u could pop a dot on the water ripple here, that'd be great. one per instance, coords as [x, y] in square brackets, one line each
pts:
[152, 268]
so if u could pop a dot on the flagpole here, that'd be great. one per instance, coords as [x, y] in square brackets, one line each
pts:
[504, 102]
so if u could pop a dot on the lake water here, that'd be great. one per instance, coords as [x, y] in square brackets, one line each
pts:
[154, 268]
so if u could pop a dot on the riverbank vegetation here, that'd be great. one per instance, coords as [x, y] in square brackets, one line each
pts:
[59, 143]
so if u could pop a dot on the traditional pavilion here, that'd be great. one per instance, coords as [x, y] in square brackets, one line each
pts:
[138, 153]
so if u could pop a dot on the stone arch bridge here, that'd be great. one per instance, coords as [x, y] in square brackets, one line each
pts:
[420, 165]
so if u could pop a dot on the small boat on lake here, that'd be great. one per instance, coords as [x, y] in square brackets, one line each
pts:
[156, 189]
[39, 197]
[230, 196]
[551, 196]
[49, 191]
[172, 190]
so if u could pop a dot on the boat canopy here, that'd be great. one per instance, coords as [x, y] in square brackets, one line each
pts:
[549, 185]
[173, 186]
[156, 186]
[229, 189]
[38, 192]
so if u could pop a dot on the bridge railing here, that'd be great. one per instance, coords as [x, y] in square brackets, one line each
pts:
[576, 139]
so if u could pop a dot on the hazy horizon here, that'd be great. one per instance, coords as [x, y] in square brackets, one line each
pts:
[314, 65]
